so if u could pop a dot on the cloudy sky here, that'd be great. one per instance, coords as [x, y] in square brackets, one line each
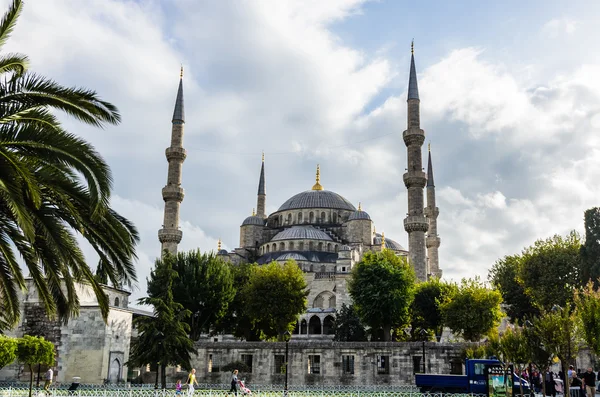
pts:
[510, 100]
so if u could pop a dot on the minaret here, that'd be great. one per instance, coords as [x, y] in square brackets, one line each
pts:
[414, 179]
[262, 195]
[170, 235]
[431, 212]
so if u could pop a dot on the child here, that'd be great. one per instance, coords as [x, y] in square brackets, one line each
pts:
[178, 387]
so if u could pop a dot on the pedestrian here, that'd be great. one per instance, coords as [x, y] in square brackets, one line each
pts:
[589, 382]
[234, 382]
[178, 387]
[48, 377]
[190, 382]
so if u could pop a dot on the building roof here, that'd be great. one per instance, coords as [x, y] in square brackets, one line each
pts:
[291, 255]
[254, 220]
[317, 199]
[179, 112]
[261, 180]
[301, 233]
[389, 243]
[359, 215]
[310, 256]
[430, 171]
[413, 88]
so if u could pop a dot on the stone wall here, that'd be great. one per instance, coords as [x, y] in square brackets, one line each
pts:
[323, 362]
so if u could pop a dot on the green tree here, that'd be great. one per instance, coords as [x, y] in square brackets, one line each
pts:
[504, 277]
[274, 297]
[590, 250]
[33, 350]
[204, 287]
[382, 288]
[587, 304]
[559, 332]
[8, 350]
[514, 346]
[236, 321]
[549, 270]
[474, 311]
[163, 339]
[426, 310]
[53, 187]
[347, 326]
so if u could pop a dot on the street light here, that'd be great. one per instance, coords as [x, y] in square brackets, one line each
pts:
[288, 336]
[423, 334]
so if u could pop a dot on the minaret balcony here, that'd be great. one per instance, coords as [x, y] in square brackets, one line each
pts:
[415, 179]
[170, 236]
[432, 241]
[414, 223]
[175, 153]
[413, 136]
[173, 193]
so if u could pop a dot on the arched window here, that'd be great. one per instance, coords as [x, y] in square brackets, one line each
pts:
[267, 248]
[117, 301]
[297, 328]
[311, 217]
[318, 302]
[281, 246]
[328, 325]
[274, 247]
[332, 302]
[301, 245]
[329, 246]
[334, 218]
[281, 220]
[303, 327]
[289, 221]
[311, 246]
[299, 217]
[320, 246]
[323, 217]
[323, 268]
[314, 326]
[291, 245]
[337, 248]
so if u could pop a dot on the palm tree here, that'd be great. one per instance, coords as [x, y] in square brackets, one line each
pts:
[53, 186]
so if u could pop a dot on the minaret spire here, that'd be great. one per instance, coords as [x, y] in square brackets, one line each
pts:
[317, 185]
[170, 235]
[431, 212]
[415, 223]
[262, 195]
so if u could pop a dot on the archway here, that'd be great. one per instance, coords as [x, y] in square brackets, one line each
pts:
[328, 324]
[303, 327]
[314, 326]
[114, 372]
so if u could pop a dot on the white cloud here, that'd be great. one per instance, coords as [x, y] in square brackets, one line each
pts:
[559, 26]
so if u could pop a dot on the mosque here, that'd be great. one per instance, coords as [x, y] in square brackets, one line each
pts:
[319, 229]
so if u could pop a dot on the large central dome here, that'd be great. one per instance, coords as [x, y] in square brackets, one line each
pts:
[317, 199]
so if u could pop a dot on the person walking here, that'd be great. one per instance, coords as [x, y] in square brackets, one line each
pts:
[589, 382]
[234, 382]
[190, 382]
[48, 377]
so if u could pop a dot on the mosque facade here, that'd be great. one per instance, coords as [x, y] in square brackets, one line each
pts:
[322, 231]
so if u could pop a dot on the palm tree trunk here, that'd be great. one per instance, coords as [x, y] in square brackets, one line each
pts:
[155, 379]
[163, 376]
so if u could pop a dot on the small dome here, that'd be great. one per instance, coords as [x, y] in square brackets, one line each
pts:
[254, 220]
[317, 199]
[345, 248]
[222, 252]
[359, 215]
[302, 233]
[389, 243]
[292, 255]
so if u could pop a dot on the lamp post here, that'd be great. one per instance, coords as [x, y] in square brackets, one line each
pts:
[288, 336]
[423, 334]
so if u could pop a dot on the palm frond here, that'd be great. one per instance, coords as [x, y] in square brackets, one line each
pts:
[15, 63]
[9, 20]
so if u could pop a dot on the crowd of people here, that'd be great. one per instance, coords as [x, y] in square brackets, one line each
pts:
[580, 383]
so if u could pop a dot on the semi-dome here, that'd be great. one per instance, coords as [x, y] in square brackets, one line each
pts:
[302, 233]
[389, 243]
[222, 252]
[253, 220]
[291, 255]
[359, 215]
[317, 199]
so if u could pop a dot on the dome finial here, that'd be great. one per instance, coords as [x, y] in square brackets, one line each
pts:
[253, 213]
[382, 241]
[359, 206]
[317, 186]
[219, 245]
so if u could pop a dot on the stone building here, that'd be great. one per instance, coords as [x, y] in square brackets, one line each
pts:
[321, 230]
[86, 346]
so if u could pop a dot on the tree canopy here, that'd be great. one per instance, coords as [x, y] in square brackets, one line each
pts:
[54, 188]
[8, 350]
[348, 327]
[33, 350]
[274, 297]
[590, 250]
[382, 288]
[587, 304]
[163, 339]
[426, 312]
[204, 286]
[474, 311]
